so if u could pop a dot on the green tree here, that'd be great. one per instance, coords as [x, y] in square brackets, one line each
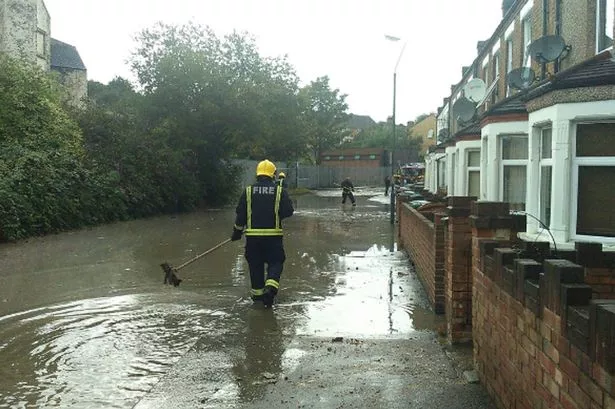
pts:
[44, 185]
[323, 114]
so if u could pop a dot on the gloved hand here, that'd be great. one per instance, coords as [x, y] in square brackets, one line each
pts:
[236, 234]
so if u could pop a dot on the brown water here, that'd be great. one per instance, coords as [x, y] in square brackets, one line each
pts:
[85, 321]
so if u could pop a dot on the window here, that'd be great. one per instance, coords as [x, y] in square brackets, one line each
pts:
[545, 176]
[41, 43]
[327, 157]
[341, 157]
[496, 73]
[357, 157]
[372, 156]
[441, 174]
[453, 174]
[604, 24]
[509, 61]
[594, 172]
[514, 170]
[473, 173]
[527, 40]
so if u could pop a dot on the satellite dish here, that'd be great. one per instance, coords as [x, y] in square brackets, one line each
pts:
[464, 109]
[547, 48]
[430, 134]
[521, 78]
[475, 90]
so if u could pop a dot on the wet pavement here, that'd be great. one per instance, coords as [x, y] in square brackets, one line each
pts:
[85, 321]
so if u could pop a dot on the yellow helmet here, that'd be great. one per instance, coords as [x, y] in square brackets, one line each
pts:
[282, 175]
[265, 168]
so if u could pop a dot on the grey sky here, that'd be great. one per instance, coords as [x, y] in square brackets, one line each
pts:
[343, 39]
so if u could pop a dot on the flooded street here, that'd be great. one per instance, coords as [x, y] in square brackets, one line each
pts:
[86, 322]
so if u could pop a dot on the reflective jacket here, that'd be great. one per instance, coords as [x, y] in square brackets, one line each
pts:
[262, 207]
[347, 186]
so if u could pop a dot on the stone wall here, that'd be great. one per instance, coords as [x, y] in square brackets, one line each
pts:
[21, 21]
[542, 336]
[423, 240]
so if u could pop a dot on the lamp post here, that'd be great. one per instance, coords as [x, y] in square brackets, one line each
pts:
[395, 39]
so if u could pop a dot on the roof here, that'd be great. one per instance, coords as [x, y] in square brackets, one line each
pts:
[353, 151]
[64, 55]
[360, 121]
[472, 129]
[515, 104]
[599, 70]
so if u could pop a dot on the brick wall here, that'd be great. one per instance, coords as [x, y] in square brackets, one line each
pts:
[458, 270]
[542, 338]
[423, 240]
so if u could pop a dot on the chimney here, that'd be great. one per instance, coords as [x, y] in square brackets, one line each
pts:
[480, 45]
[507, 5]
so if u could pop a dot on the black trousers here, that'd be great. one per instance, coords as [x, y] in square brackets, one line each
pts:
[265, 253]
[347, 195]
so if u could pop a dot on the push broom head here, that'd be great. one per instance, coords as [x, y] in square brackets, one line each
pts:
[169, 275]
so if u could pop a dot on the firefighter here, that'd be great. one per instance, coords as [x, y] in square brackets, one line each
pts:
[347, 189]
[259, 214]
[282, 180]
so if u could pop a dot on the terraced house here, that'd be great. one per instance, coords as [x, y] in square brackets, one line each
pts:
[25, 34]
[540, 137]
[520, 258]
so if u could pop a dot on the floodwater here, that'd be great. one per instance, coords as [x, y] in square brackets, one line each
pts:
[86, 322]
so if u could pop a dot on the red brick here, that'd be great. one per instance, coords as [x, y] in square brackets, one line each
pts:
[591, 388]
[569, 368]
[546, 363]
[567, 402]
[602, 378]
[580, 398]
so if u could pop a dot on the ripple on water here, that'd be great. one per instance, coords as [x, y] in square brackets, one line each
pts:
[103, 352]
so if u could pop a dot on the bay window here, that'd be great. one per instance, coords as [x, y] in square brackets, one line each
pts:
[513, 171]
[594, 177]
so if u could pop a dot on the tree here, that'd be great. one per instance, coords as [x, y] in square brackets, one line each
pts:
[44, 184]
[323, 114]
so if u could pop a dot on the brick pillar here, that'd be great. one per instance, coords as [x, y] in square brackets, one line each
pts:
[458, 270]
[439, 281]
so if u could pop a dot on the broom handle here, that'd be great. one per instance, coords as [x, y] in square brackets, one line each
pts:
[217, 246]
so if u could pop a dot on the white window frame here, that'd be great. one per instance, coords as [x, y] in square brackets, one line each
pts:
[542, 163]
[576, 163]
[604, 8]
[511, 162]
[472, 169]
[451, 192]
[509, 62]
[526, 28]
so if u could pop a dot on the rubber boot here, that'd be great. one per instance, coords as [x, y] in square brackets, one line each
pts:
[269, 296]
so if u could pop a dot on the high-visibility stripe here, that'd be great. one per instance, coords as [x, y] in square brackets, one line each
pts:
[275, 231]
[257, 291]
[272, 283]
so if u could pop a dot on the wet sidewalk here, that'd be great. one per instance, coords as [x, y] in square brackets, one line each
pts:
[371, 343]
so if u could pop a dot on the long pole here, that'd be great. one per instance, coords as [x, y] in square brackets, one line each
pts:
[393, 195]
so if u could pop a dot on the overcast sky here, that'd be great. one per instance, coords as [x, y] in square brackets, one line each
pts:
[344, 39]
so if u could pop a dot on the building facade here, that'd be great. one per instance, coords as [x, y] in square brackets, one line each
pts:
[541, 136]
[425, 130]
[25, 31]
[25, 34]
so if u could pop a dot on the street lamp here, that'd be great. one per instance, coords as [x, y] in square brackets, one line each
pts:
[394, 39]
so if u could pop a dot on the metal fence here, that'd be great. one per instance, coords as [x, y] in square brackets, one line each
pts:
[318, 177]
